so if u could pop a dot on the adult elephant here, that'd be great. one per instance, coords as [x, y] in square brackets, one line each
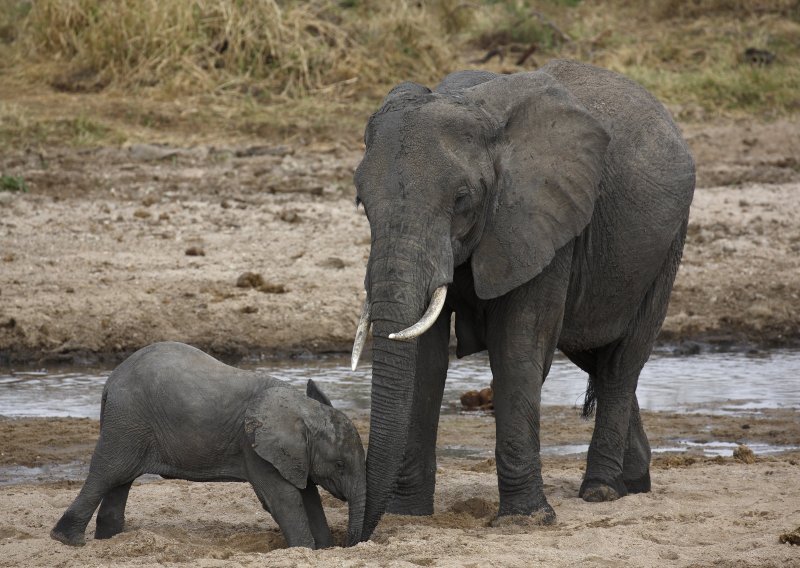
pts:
[546, 210]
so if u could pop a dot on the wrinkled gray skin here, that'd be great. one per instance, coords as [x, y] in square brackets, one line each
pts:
[554, 203]
[172, 410]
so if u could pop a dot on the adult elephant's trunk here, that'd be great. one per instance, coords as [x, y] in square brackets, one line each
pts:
[394, 363]
[402, 274]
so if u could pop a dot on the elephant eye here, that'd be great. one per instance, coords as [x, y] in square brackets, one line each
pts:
[339, 466]
[463, 201]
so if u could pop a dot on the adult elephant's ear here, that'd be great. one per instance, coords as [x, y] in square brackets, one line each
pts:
[550, 155]
[275, 426]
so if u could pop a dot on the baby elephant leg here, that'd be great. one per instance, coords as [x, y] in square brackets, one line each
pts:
[285, 502]
[316, 516]
[111, 516]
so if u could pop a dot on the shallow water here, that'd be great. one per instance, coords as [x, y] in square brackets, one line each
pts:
[712, 382]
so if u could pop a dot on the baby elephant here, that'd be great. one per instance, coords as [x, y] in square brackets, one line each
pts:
[172, 410]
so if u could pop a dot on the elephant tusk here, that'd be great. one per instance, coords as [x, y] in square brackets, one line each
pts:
[428, 318]
[361, 335]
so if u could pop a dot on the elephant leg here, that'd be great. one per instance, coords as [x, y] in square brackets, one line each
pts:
[522, 331]
[636, 463]
[316, 517]
[111, 516]
[284, 501]
[416, 482]
[619, 454]
[114, 464]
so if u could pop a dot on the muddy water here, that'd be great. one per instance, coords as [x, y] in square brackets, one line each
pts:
[708, 383]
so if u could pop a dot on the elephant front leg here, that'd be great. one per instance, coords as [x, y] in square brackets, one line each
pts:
[413, 494]
[316, 516]
[285, 503]
[636, 463]
[523, 328]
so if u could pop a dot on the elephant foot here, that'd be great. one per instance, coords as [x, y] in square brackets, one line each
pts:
[63, 532]
[544, 516]
[597, 491]
[641, 485]
[106, 528]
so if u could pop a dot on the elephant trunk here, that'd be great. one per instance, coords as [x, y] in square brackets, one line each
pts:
[392, 395]
[356, 502]
[402, 274]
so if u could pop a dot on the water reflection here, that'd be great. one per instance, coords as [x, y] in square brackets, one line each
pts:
[714, 382]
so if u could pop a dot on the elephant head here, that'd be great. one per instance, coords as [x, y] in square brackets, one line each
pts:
[305, 438]
[495, 171]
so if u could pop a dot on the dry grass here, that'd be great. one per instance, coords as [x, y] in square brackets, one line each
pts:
[153, 69]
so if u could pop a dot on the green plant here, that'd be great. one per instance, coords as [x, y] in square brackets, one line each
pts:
[13, 183]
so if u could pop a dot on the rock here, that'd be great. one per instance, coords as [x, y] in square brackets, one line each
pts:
[791, 537]
[332, 262]
[270, 288]
[151, 152]
[255, 280]
[487, 398]
[195, 251]
[149, 200]
[249, 280]
[249, 310]
[744, 454]
[471, 400]
[289, 217]
[263, 151]
[141, 214]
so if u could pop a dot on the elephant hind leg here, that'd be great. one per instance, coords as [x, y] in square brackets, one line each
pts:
[116, 462]
[111, 516]
[619, 454]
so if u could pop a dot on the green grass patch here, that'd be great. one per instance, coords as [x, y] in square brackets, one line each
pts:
[13, 183]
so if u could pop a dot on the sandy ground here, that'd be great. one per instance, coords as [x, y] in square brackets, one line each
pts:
[702, 511]
[115, 248]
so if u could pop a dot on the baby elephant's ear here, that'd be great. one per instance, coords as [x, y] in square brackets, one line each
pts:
[276, 428]
[312, 391]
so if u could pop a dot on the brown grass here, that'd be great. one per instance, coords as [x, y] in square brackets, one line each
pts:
[150, 69]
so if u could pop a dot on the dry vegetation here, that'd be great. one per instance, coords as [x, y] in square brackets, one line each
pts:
[88, 72]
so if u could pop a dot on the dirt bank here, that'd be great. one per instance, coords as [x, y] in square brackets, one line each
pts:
[115, 248]
[702, 511]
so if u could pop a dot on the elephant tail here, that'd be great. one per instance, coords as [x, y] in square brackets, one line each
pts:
[590, 400]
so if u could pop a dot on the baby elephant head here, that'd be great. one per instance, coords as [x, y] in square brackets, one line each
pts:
[305, 438]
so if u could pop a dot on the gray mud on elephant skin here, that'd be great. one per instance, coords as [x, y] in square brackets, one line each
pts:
[554, 205]
[171, 410]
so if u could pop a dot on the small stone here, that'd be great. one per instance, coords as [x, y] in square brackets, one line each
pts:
[744, 454]
[272, 288]
[289, 217]
[792, 537]
[163, 217]
[10, 257]
[141, 214]
[249, 310]
[149, 200]
[69, 290]
[195, 251]
[249, 280]
[486, 397]
[471, 400]
[225, 204]
[333, 262]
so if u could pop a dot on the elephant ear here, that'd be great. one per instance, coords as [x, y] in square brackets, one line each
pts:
[275, 424]
[313, 391]
[550, 160]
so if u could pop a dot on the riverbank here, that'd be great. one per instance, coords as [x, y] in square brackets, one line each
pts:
[113, 248]
[703, 510]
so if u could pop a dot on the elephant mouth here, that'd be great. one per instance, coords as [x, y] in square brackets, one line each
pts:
[408, 334]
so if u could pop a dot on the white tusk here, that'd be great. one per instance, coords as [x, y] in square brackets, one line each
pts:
[361, 335]
[428, 318]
